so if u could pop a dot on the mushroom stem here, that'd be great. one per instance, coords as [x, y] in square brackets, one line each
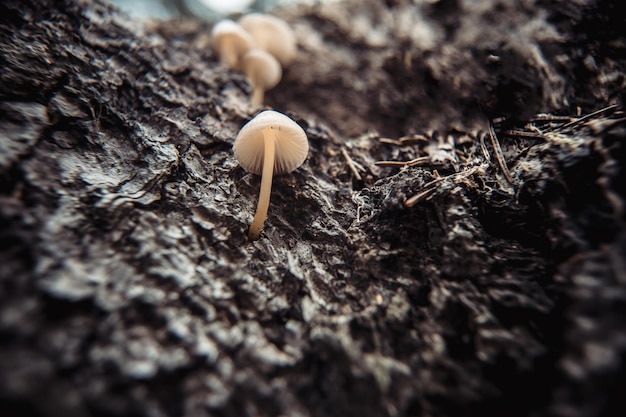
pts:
[229, 58]
[257, 95]
[266, 185]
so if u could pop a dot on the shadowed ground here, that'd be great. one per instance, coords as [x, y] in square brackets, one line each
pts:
[453, 246]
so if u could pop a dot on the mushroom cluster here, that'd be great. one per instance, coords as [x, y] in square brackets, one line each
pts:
[259, 45]
[270, 143]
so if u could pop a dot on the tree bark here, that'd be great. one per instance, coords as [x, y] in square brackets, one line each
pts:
[453, 245]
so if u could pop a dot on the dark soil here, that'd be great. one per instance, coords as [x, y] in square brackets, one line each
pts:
[453, 245]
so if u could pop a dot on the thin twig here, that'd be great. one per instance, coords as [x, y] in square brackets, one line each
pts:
[351, 164]
[419, 196]
[390, 141]
[422, 160]
[483, 146]
[404, 140]
[499, 155]
[585, 118]
[523, 134]
[550, 118]
[398, 164]
[413, 138]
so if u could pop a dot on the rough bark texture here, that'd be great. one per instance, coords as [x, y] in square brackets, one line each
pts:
[127, 286]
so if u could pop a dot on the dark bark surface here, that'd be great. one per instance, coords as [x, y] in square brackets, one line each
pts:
[485, 277]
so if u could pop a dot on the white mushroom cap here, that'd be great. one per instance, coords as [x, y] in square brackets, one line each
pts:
[290, 140]
[272, 35]
[263, 71]
[230, 42]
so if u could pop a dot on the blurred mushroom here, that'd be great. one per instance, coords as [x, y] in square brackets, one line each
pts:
[269, 143]
[230, 42]
[263, 71]
[272, 35]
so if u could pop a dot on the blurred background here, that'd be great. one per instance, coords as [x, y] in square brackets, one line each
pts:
[204, 9]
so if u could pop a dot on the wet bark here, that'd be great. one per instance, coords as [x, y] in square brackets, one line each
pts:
[454, 244]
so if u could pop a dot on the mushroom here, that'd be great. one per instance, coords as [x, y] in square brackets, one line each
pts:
[230, 41]
[263, 71]
[272, 35]
[271, 143]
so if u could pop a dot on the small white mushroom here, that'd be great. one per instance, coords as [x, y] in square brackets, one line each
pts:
[263, 71]
[230, 42]
[272, 35]
[271, 143]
